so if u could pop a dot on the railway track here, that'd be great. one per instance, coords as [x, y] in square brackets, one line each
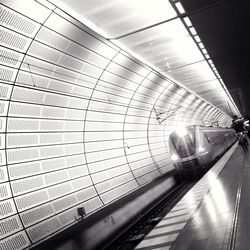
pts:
[137, 231]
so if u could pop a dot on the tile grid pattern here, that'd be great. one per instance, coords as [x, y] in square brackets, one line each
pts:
[78, 122]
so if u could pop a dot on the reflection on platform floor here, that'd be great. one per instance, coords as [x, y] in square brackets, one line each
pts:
[213, 214]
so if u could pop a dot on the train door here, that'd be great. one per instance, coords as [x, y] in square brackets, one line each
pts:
[208, 143]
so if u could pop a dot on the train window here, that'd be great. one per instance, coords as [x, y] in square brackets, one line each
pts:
[184, 145]
[208, 138]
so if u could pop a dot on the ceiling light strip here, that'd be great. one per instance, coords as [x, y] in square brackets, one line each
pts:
[191, 30]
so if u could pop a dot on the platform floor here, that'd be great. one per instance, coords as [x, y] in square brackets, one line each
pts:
[214, 214]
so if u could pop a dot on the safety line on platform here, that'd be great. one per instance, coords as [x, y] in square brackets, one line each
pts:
[232, 236]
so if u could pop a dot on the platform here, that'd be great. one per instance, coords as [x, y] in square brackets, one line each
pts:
[214, 214]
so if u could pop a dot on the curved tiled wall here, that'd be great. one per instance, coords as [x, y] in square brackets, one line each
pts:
[82, 122]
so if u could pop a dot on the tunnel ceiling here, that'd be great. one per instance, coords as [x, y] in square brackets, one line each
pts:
[222, 26]
[162, 35]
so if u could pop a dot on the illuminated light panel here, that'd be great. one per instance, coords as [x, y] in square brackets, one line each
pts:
[193, 31]
[197, 38]
[201, 45]
[180, 48]
[204, 51]
[116, 18]
[187, 21]
[180, 8]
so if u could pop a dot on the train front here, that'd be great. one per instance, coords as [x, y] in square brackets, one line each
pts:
[184, 149]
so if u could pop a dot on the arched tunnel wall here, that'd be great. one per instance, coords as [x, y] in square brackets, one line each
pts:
[83, 123]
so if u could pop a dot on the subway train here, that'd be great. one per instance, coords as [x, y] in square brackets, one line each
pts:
[195, 148]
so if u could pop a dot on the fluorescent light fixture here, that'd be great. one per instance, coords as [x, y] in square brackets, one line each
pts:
[180, 8]
[201, 45]
[210, 61]
[193, 31]
[204, 51]
[207, 56]
[187, 21]
[197, 38]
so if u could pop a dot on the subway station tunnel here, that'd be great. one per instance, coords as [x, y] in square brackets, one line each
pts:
[90, 92]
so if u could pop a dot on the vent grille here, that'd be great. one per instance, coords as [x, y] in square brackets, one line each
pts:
[22, 140]
[52, 151]
[9, 226]
[2, 107]
[3, 174]
[23, 170]
[2, 152]
[9, 58]
[86, 194]
[59, 190]
[17, 242]
[48, 139]
[82, 182]
[13, 40]
[52, 125]
[5, 191]
[7, 208]
[53, 112]
[52, 38]
[7, 74]
[45, 52]
[64, 203]
[30, 200]
[68, 216]
[4, 91]
[46, 228]
[15, 21]
[22, 125]
[37, 214]
[53, 164]
[26, 185]
[24, 110]
[78, 171]
[22, 155]
[53, 178]
[28, 95]
[26, 78]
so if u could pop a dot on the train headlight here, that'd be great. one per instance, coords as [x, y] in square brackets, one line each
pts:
[181, 131]
[201, 149]
[174, 157]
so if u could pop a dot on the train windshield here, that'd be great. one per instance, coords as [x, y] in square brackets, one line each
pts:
[185, 144]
